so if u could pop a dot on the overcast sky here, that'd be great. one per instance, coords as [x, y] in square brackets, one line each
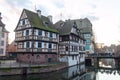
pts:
[104, 14]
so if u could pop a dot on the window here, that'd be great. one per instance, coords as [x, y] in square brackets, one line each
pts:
[87, 35]
[51, 34]
[27, 44]
[50, 45]
[27, 32]
[46, 23]
[72, 48]
[39, 32]
[2, 43]
[23, 22]
[88, 41]
[1, 51]
[37, 56]
[39, 44]
[66, 48]
[80, 48]
[72, 57]
[83, 48]
[46, 34]
[87, 47]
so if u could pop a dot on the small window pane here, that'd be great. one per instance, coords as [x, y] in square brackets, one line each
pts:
[2, 43]
[27, 44]
[39, 45]
[1, 51]
[39, 32]
[50, 45]
[27, 32]
[51, 34]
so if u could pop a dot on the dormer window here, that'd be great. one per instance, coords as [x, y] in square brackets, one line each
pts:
[61, 24]
[46, 23]
[74, 24]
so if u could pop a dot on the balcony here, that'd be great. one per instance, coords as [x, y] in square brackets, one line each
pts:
[30, 37]
[36, 50]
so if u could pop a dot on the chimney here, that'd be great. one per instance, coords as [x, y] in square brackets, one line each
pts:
[50, 18]
[39, 13]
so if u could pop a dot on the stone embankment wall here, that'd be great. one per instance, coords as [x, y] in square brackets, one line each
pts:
[32, 70]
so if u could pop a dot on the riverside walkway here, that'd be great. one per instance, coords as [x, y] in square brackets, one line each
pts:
[14, 64]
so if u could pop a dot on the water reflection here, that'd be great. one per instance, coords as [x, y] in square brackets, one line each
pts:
[72, 73]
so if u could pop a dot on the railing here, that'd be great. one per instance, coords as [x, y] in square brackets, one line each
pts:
[36, 50]
[30, 37]
[100, 55]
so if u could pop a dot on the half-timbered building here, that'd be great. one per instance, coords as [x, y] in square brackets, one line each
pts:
[71, 42]
[36, 38]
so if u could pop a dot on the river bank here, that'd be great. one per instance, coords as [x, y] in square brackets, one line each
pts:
[46, 68]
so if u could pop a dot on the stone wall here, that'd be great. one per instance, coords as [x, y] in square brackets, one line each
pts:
[32, 70]
[37, 58]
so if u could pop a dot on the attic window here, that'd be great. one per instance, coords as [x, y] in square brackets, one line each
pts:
[61, 24]
[74, 24]
[46, 23]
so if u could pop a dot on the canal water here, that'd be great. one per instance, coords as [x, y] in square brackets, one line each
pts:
[72, 73]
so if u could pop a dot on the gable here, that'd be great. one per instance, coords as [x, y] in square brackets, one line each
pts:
[23, 21]
[31, 19]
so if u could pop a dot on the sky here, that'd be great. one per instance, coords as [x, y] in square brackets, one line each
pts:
[103, 14]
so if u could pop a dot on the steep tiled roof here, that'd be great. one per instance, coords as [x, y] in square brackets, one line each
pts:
[64, 28]
[39, 22]
[84, 24]
[3, 25]
[4, 29]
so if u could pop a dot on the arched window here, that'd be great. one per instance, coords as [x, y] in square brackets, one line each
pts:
[37, 56]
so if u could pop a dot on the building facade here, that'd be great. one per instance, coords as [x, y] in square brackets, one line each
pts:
[86, 27]
[71, 43]
[36, 38]
[3, 38]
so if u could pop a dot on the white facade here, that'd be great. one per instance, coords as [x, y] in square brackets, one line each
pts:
[75, 70]
[3, 38]
[72, 50]
[4, 42]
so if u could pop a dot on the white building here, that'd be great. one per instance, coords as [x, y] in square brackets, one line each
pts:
[3, 38]
[71, 43]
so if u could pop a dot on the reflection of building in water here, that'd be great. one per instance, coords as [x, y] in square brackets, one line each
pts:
[75, 72]
[78, 73]
[90, 76]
